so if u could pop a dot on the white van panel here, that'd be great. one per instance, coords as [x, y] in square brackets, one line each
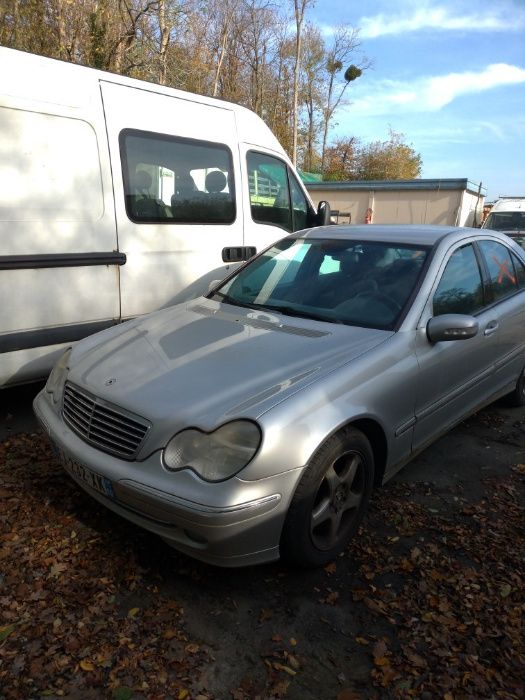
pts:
[57, 230]
[70, 294]
[39, 168]
[52, 190]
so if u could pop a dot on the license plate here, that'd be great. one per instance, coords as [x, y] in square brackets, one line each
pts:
[87, 476]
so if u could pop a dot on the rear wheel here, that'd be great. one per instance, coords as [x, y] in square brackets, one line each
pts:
[330, 501]
[517, 397]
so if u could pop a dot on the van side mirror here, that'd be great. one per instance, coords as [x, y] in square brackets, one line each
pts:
[323, 214]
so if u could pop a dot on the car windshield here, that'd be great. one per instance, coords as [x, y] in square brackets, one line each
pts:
[358, 283]
[506, 221]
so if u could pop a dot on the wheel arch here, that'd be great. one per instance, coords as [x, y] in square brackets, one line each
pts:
[375, 435]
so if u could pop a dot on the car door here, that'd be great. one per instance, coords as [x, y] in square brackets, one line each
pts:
[456, 376]
[506, 273]
[177, 191]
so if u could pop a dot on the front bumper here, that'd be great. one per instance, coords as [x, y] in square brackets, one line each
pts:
[232, 523]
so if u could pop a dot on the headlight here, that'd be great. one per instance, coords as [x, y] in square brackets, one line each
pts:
[214, 456]
[57, 378]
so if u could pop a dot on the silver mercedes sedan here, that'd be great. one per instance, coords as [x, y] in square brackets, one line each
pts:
[254, 422]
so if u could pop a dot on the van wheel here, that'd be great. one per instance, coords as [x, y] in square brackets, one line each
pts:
[517, 397]
[330, 500]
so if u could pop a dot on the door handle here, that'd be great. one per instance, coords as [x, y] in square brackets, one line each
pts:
[491, 328]
[238, 253]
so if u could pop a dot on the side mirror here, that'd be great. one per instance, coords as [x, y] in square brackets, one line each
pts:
[451, 327]
[323, 214]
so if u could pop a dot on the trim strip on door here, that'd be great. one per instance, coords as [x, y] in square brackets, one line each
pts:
[35, 262]
[25, 340]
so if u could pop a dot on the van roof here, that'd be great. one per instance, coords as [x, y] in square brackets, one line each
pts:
[27, 76]
[509, 204]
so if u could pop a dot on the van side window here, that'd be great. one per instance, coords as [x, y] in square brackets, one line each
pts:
[173, 180]
[503, 278]
[269, 191]
[299, 205]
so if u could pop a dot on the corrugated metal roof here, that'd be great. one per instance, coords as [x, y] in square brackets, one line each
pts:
[420, 184]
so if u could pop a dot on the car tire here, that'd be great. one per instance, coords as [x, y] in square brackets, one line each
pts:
[330, 500]
[517, 397]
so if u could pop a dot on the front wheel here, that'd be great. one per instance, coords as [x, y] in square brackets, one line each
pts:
[330, 500]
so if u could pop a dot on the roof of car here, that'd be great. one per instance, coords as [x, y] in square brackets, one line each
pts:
[410, 234]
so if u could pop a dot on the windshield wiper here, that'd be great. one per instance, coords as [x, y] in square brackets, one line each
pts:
[292, 311]
[287, 310]
[231, 300]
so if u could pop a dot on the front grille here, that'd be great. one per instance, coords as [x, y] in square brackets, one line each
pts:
[108, 427]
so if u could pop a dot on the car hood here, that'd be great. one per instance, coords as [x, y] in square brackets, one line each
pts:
[206, 362]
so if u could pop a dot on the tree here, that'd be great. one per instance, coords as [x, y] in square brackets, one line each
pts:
[341, 159]
[388, 160]
[344, 44]
[311, 97]
[300, 7]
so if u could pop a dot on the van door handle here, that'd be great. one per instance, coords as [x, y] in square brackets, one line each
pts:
[238, 253]
[492, 327]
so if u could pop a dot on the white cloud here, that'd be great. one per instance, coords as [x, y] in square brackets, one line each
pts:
[430, 94]
[443, 19]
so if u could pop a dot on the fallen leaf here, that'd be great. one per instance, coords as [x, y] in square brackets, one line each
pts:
[58, 569]
[6, 631]
[286, 669]
[280, 689]
[265, 614]
[348, 694]
[381, 661]
[505, 590]
[122, 693]
[86, 665]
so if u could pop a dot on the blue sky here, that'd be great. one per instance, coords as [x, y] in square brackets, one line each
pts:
[449, 75]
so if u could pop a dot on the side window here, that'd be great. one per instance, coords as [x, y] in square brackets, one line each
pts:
[460, 290]
[173, 180]
[520, 271]
[269, 194]
[299, 205]
[503, 279]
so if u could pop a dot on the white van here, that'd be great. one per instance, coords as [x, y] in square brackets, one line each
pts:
[116, 194]
[508, 216]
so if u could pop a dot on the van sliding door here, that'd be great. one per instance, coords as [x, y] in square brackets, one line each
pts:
[176, 185]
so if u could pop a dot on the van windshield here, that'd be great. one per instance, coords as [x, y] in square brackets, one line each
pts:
[506, 221]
